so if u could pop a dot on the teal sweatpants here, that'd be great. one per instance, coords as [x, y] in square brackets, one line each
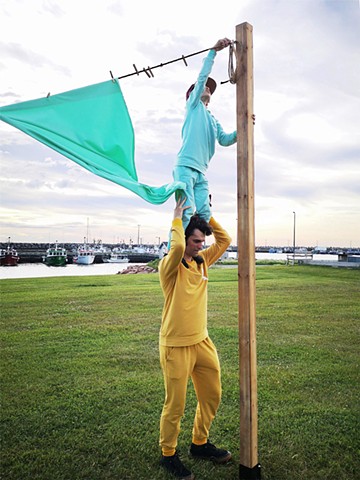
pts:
[196, 192]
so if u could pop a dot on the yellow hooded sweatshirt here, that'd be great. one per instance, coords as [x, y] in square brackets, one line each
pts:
[184, 316]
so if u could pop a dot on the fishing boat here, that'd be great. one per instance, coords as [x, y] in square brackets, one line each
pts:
[99, 248]
[55, 256]
[9, 256]
[85, 255]
[117, 258]
[100, 251]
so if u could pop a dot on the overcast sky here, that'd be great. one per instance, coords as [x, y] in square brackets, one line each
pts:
[307, 106]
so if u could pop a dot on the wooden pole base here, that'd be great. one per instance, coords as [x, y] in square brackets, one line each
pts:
[247, 473]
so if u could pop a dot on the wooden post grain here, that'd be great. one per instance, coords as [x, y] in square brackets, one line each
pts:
[249, 466]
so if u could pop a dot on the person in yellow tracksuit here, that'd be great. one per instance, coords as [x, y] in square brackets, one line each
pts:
[185, 347]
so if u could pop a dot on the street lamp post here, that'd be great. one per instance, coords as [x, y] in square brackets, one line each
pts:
[138, 235]
[294, 238]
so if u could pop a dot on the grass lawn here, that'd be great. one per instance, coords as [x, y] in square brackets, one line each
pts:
[82, 391]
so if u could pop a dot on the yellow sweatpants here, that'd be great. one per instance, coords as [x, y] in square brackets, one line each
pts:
[201, 363]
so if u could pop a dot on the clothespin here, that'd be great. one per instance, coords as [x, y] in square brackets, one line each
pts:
[112, 76]
[136, 70]
[184, 60]
[48, 95]
[151, 73]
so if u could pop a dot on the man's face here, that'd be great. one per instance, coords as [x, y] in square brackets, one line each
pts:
[206, 95]
[195, 243]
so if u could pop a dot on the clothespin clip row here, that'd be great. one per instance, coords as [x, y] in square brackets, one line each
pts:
[149, 72]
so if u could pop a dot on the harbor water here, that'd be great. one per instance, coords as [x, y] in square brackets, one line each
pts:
[39, 270]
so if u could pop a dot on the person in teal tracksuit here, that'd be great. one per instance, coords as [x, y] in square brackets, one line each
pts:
[200, 131]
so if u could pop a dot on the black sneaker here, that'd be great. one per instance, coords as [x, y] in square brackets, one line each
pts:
[175, 466]
[208, 451]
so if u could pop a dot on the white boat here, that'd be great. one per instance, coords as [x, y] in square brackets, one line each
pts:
[85, 255]
[99, 248]
[117, 258]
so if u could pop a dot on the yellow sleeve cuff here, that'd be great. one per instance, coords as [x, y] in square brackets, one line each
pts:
[177, 222]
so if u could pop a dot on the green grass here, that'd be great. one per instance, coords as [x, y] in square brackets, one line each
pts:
[82, 391]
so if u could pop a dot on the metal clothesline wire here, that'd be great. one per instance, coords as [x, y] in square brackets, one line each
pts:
[149, 73]
[149, 70]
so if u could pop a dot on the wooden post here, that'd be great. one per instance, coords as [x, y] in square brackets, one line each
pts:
[249, 466]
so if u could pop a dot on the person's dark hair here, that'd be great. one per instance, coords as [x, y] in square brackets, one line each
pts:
[199, 223]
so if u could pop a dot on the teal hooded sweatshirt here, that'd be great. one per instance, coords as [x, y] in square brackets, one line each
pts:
[201, 129]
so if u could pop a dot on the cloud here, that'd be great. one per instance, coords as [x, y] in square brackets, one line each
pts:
[53, 8]
[116, 8]
[15, 51]
[9, 95]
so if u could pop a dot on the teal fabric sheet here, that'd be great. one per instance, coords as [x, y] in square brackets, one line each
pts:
[92, 127]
